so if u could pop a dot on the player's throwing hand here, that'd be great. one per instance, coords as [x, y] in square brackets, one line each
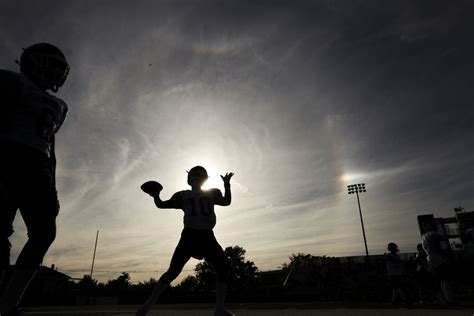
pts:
[227, 178]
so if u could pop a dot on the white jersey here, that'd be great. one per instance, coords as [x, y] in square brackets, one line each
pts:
[31, 116]
[431, 242]
[198, 207]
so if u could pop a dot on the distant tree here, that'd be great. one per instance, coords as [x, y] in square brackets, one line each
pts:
[305, 269]
[149, 284]
[87, 282]
[300, 259]
[188, 285]
[244, 273]
[151, 281]
[205, 276]
[122, 281]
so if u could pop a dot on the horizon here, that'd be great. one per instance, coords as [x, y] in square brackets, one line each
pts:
[298, 99]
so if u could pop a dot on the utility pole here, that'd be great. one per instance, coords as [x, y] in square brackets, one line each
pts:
[95, 248]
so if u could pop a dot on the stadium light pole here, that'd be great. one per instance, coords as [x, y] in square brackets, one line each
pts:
[359, 188]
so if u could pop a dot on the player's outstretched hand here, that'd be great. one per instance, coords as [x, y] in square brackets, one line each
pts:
[152, 187]
[227, 177]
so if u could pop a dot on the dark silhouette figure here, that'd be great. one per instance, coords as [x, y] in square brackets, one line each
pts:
[30, 117]
[197, 238]
[438, 256]
[394, 272]
[423, 274]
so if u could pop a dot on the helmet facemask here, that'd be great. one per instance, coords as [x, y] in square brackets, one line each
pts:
[47, 69]
[197, 176]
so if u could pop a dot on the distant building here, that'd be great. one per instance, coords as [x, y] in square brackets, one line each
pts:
[456, 229]
[49, 281]
[49, 286]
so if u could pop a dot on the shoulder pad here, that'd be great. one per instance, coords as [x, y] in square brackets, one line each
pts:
[60, 102]
[7, 75]
[215, 191]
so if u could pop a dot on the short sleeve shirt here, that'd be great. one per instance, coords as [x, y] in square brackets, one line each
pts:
[198, 207]
[431, 242]
[393, 264]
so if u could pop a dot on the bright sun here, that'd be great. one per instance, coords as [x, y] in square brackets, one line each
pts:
[214, 180]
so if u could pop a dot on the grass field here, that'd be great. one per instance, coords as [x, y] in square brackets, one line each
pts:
[262, 309]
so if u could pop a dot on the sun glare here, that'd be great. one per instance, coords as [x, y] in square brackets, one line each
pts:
[214, 180]
[349, 177]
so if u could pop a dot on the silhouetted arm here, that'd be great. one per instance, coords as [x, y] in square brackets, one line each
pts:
[163, 204]
[174, 202]
[227, 198]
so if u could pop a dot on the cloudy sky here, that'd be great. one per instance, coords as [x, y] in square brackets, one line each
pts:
[298, 98]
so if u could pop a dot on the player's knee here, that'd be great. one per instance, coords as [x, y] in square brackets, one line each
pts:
[43, 239]
[34, 251]
[170, 275]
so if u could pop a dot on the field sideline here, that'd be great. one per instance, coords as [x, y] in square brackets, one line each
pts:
[256, 309]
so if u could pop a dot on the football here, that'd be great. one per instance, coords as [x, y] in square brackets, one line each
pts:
[151, 187]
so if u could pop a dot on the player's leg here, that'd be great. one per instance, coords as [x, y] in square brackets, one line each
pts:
[394, 296]
[8, 210]
[399, 289]
[402, 295]
[181, 255]
[215, 256]
[39, 211]
[7, 215]
[445, 284]
[394, 285]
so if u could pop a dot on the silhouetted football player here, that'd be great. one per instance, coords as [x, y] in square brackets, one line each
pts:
[29, 119]
[394, 272]
[197, 238]
[437, 251]
[423, 273]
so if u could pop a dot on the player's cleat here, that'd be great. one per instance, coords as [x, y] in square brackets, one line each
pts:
[151, 187]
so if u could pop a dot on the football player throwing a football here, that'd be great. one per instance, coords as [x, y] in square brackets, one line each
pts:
[197, 238]
[29, 119]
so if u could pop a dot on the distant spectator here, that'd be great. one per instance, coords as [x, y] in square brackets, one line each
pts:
[438, 259]
[423, 274]
[394, 272]
[467, 258]
[470, 236]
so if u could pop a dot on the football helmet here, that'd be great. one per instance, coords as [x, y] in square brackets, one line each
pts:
[197, 173]
[45, 65]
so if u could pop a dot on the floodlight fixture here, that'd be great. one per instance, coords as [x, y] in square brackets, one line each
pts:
[359, 188]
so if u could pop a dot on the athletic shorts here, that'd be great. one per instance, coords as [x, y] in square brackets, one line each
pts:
[198, 244]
